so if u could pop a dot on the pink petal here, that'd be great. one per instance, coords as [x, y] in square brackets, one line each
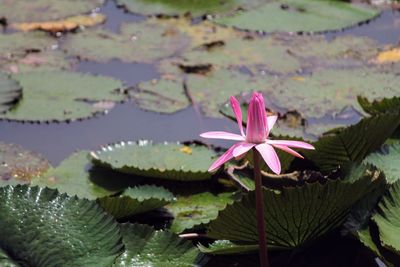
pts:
[242, 148]
[289, 150]
[270, 157]
[256, 131]
[224, 158]
[238, 113]
[295, 144]
[271, 122]
[222, 135]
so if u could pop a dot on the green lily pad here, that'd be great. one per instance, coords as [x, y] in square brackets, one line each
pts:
[180, 7]
[10, 92]
[61, 98]
[136, 200]
[387, 160]
[380, 106]
[354, 143]
[133, 44]
[171, 161]
[299, 16]
[19, 166]
[289, 222]
[195, 210]
[43, 10]
[73, 178]
[260, 53]
[226, 247]
[146, 247]
[388, 219]
[40, 227]
[163, 96]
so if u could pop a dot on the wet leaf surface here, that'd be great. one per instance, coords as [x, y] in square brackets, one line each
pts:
[61, 97]
[44, 10]
[20, 166]
[10, 92]
[300, 16]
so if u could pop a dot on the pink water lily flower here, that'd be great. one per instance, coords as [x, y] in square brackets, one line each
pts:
[258, 127]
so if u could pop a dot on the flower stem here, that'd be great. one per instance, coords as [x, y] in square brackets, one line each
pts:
[262, 240]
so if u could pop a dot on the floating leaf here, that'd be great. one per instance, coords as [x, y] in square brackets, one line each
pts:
[354, 143]
[136, 200]
[196, 8]
[387, 160]
[146, 247]
[164, 96]
[19, 166]
[73, 178]
[10, 92]
[67, 24]
[299, 16]
[165, 160]
[44, 10]
[195, 210]
[133, 44]
[262, 53]
[40, 227]
[61, 98]
[295, 216]
[388, 219]
[226, 247]
[380, 106]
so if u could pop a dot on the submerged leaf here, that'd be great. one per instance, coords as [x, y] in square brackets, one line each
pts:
[146, 247]
[40, 227]
[60, 97]
[165, 160]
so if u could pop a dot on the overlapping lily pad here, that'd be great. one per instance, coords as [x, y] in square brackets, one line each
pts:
[295, 216]
[137, 42]
[226, 247]
[196, 210]
[136, 200]
[164, 96]
[42, 10]
[146, 247]
[10, 92]
[165, 160]
[19, 166]
[40, 227]
[299, 16]
[59, 96]
[196, 8]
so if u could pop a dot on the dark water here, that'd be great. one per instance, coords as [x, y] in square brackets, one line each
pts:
[127, 122]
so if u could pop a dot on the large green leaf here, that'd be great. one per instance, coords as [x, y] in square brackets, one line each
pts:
[387, 159]
[20, 166]
[380, 106]
[297, 215]
[300, 16]
[42, 10]
[10, 92]
[146, 247]
[40, 227]
[198, 209]
[165, 160]
[388, 219]
[58, 96]
[226, 247]
[136, 200]
[137, 42]
[180, 7]
[354, 143]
